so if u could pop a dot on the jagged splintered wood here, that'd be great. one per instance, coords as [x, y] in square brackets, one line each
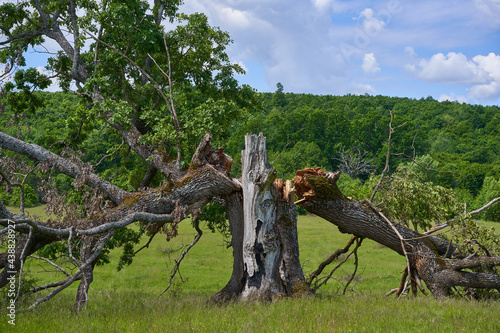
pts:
[270, 242]
[261, 246]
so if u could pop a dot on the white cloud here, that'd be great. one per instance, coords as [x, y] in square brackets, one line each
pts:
[370, 65]
[321, 4]
[371, 25]
[235, 18]
[359, 88]
[411, 68]
[451, 68]
[452, 98]
[491, 65]
[481, 73]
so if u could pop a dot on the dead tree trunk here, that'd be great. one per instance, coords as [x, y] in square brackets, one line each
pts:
[268, 264]
[261, 243]
[318, 193]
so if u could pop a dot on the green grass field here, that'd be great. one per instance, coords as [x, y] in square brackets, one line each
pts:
[128, 301]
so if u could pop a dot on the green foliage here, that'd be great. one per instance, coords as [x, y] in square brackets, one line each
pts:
[417, 204]
[18, 93]
[302, 155]
[489, 191]
[215, 217]
[354, 188]
[29, 282]
[14, 198]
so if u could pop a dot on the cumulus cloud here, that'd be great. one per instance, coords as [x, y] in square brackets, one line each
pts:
[481, 73]
[450, 68]
[359, 88]
[235, 18]
[490, 64]
[370, 65]
[371, 25]
[452, 98]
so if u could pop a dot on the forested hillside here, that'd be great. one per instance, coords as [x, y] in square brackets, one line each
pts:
[458, 143]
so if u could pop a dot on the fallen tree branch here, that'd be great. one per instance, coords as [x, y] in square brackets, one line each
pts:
[458, 264]
[183, 254]
[42, 155]
[479, 210]
[59, 268]
[330, 259]
[356, 262]
[77, 275]
[22, 224]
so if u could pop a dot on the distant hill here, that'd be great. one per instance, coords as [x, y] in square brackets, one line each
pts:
[305, 130]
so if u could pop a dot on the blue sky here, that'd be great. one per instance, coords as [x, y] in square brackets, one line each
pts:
[444, 49]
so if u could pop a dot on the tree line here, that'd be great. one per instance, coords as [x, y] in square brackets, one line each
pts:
[456, 145]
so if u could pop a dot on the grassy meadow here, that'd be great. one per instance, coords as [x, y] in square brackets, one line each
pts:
[128, 301]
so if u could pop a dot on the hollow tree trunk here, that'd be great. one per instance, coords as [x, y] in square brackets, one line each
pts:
[319, 194]
[267, 260]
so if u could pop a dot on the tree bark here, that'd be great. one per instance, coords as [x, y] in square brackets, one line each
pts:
[207, 177]
[319, 194]
[234, 209]
[270, 244]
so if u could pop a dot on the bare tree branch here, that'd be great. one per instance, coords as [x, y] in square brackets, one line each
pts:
[183, 254]
[78, 274]
[25, 224]
[479, 210]
[40, 154]
[388, 156]
[59, 268]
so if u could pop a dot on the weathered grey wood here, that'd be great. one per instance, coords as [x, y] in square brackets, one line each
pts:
[261, 245]
[270, 241]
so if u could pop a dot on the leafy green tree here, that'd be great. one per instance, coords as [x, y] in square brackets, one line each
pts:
[302, 155]
[279, 98]
[489, 191]
[146, 96]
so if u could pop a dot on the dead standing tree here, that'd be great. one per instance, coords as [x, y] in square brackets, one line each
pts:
[264, 230]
